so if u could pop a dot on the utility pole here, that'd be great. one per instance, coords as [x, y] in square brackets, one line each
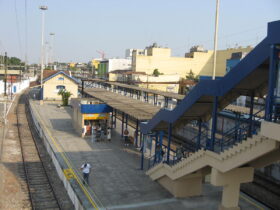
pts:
[5, 78]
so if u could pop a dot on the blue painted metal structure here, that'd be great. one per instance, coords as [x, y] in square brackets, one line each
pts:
[249, 77]
[95, 108]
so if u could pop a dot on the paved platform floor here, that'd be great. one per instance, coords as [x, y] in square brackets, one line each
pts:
[116, 178]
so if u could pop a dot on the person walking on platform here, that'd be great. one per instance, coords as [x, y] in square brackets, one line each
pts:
[126, 134]
[86, 171]
[98, 132]
[109, 134]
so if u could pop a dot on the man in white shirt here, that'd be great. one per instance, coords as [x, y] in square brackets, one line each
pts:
[86, 171]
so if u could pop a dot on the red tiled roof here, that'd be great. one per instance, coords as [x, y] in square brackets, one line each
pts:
[34, 83]
[48, 73]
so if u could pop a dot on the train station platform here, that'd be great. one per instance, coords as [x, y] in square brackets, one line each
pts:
[116, 179]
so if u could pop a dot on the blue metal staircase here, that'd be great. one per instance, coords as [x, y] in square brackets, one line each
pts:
[250, 75]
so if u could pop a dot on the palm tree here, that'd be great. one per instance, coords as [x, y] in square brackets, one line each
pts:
[65, 96]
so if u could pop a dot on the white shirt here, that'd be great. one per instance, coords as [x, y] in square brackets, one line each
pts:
[86, 169]
[109, 134]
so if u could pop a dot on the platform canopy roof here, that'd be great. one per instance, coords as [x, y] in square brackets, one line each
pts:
[136, 88]
[137, 109]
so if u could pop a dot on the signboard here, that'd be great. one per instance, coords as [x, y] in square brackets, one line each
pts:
[100, 116]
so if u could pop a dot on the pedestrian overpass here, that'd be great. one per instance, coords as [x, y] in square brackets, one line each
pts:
[257, 75]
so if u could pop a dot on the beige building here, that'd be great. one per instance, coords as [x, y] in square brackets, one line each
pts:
[54, 81]
[166, 82]
[198, 60]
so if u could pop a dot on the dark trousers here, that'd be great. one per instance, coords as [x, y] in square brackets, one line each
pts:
[85, 176]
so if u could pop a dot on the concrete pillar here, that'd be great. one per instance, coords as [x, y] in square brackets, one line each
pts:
[231, 181]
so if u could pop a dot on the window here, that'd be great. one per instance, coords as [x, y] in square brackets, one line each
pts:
[60, 78]
[60, 87]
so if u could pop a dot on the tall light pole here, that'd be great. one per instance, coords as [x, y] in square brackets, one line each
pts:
[47, 54]
[52, 50]
[216, 39]
[43, 8]
[212, 122]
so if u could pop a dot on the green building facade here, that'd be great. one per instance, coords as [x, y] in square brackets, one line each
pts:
[102, 71]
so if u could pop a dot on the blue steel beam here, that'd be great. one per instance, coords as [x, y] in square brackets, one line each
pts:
[271, 84]
[169, 141]
[250, 130]
[199, 135]
[161, 134]
[214, 123]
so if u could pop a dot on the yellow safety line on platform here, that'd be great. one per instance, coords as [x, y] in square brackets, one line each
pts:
[59, 149]
[251, 202]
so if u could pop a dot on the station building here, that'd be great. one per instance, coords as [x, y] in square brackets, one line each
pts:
[54, 81]
[89, 112]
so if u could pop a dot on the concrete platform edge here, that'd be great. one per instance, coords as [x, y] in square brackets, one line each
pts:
[72, 186]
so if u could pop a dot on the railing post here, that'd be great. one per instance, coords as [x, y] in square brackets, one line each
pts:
[199, 135]
[82, 88]
[136, 132]
[169, 141]
[161, 133]
[142, 154]
[115, 120]
[126, 121]
[112, 118]
[214, 123]
[122, 123]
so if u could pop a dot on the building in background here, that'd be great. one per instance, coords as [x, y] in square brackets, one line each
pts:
[109, 65]
[129, 52]
[169, 83]
[198, 60]
[234, 60]
[54, 81]
[230, 64]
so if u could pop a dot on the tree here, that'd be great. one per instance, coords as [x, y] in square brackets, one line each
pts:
[156, 73]
[191, 76]
[65, 96]
[14, 61]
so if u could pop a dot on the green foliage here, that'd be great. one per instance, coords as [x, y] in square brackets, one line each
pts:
[65, 96]
[71, 68]
[191, 76]
[156, 73]
[14, 61]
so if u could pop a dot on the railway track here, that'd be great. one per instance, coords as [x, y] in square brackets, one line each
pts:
[40, 189]
[263, 190]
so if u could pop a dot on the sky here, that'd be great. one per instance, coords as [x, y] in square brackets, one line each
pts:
[83, 27]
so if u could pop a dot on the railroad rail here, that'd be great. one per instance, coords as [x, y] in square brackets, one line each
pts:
[40, 189]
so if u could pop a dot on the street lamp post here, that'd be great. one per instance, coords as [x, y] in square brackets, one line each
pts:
[52, 50]
[216, 39]
[43, 8]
